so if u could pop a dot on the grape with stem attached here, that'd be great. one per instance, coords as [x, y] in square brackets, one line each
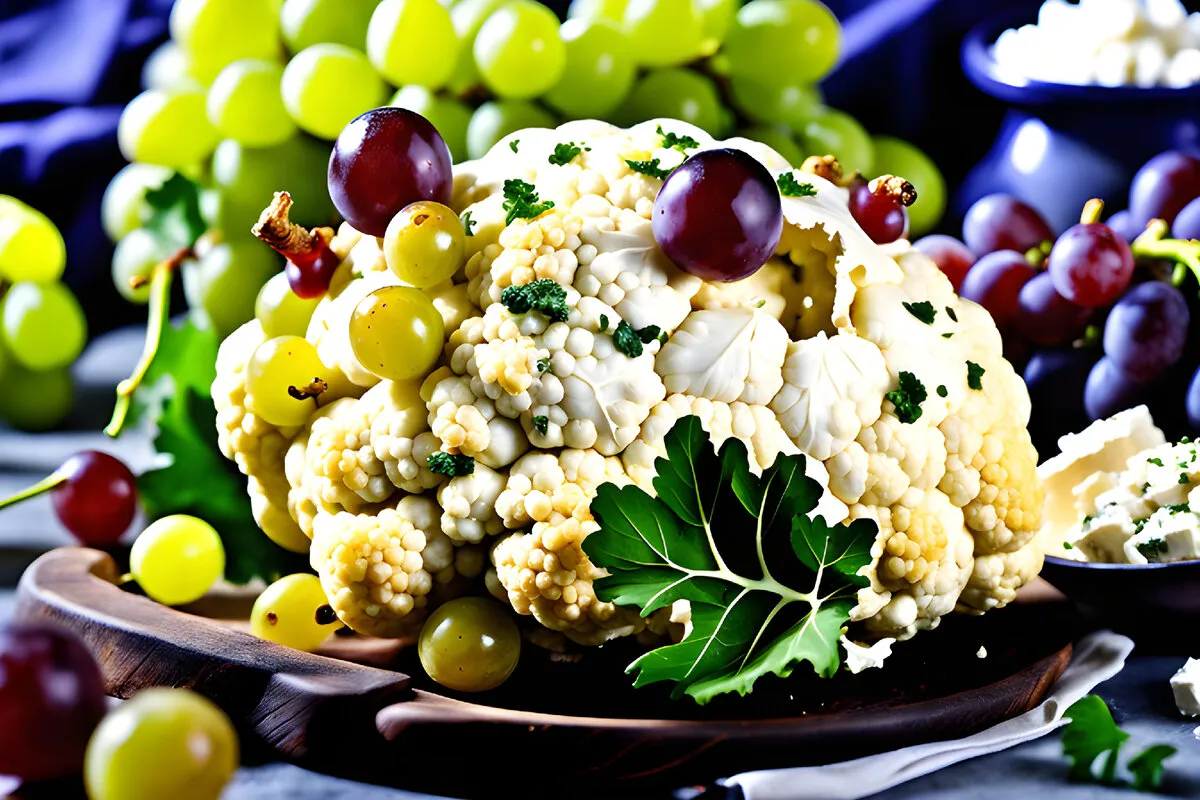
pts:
[294, 612]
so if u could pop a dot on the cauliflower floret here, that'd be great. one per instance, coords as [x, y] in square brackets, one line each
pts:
[469, 424]
[453, 302]
[726, 355]
[534, 478]
[772, 290]
[469, 510]
[997, 576]
[526, 250]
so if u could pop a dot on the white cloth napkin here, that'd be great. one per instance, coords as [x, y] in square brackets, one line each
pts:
[1096, 658]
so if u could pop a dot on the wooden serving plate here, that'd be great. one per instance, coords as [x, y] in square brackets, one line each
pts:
[556, 719]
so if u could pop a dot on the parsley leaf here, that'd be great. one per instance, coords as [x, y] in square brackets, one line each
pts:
[1178, 508]
[947, 335]
[541, 424]
[521, 201]
[626, 339]
[543, 365]
[1183, 479]
[974, 376]
[942, 391]
[722, 538]
[1152, 548]
[650, 168]
[513, 145]
[950, 313]
[1155, 461]
[450, 464]
[468, 224]
[651, 332]
[680, 143]
[907, 397]
[603, 322]
[790, 187]
[175, 218]
[564, 153]
[1093, 734]
[924, 311]
[543, 294]
[1147, 766]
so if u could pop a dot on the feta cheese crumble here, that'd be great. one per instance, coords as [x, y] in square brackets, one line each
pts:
[1185, 685]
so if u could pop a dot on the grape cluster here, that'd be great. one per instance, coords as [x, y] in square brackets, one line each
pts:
[42, 327]
[1100, 315]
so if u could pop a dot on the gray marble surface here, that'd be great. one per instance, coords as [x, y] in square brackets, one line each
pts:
[1139, 696]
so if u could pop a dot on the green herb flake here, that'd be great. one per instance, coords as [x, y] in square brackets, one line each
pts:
[1147, 767]
[603, 322]
[521, 201]
[1152, 548]
[543, 295]
[942, 391]
[1138, 524]
[974, 376]
[1183, 479]
[947, 335]
[543, 365]
[650, 168]
[564, 153]
[907, 397]
[1088, 520]
[450, 464]
[651, 332]
[1155, 461]
[1178, 508]
[626, 340]
[790, 187]
[541, 424]
[677, 142]
[1182, 464]
[674, 546]
[1068, 546]
[1145, 487]
[1092, 736]
[468, 224]
[513, 145]
[950, 313]
[924, 311]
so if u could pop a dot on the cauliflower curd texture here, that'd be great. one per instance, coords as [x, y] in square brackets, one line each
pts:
[799, 357]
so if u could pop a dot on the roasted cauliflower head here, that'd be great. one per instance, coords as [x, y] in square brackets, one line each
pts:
[857, 355]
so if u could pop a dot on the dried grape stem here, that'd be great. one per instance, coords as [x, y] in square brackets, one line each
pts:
[826, 167]
[1092, 211]
[314, 389]
[895, 187]
[1153, 243]
[292, 241]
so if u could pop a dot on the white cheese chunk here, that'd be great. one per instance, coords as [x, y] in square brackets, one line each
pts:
[1185, 685]
[860, 657]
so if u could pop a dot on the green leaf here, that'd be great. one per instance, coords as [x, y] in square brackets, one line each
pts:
[175, 218]
[627, 340]
[650, 168]
[521, 200]
[924, 311]
[543, 295]
[790, 187]
[450, 464]
[974, 376]
[1147, 766]
[907, 397]
[680, 142]
[564, 153]
[1092, 733]
[769, 587]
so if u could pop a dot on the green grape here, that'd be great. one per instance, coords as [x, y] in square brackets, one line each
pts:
[215, 33]
[599, 71]
[796, 40]
[43, 324]
[281, 372]
[223, 284]
[468, 17]
[168, 67]
[518, 51]
[449, 116]
[663, 33]
[177, 559]
[327, 85]
[778, 139]
[164, 743]
[244, 103]
[280, 311]
[679, 94]
[37, 400]
[898, 157]
[832, 132]
[308, 22]
[772, 102]
[413, 41]
[717, 18]
[31, 248]
[134, 261]
[168, 128]
[424, 244]
[294, 612]
[123, 207]
[247, 178]
[470, 644]
[496, 119]
[397, 333]
[611, 10]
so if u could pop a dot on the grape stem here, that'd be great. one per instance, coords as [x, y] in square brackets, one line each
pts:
[160, 298]
[1153, 243]
[1092, 211]
[894, 187]
[292, 241]
[55, 478]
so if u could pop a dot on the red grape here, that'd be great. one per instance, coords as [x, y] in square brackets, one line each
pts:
[1187, 222]
[1045, 317]
[952, 256]
[995, 283]
[1090, 265]
[51, 699]
[384, 160]
[1109, 390]
[718, 215]
[97, 500]
[1002, 222]
[311, 279]
[880, 216]
[1163, 186]
[1147, 330]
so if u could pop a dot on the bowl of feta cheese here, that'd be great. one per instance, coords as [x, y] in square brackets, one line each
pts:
[1121, 526]
[1094, 89]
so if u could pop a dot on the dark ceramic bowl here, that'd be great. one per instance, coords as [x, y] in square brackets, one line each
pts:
[1061, 144]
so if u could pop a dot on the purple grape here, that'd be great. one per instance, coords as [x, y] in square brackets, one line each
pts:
[1045, 317]
[718, 215]
[1123, 225]
[1002, 222]
[1090, 265]
[953, 257]
[1163, 186]
[995, 283]
[384, 160]
[1108, 390]
[1193, 401]
[1187, 222]
[1147, 330]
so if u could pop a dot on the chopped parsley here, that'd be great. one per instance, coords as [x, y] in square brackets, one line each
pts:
[564, 153]
[924, 311]
[674, 140]
[1183, 464]
[1178, 508]
[790, 187]
[513, 145]
[1152, 548]
[1185, 440]
[626, 340]
[603, 322]
[1145, 487]
[651, 332]
[543, 365]
[950, 313]
[521, 201]
[942, 391]
[947, 335]
[650, 168]
[543, 294]
[450, 464]
[1155, 461]
[907, 397]
[1088, 520]
[541, 424]
[1068, 546]
[1138, 524]
[468, 224]
[1183, 479]
[974, 376]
